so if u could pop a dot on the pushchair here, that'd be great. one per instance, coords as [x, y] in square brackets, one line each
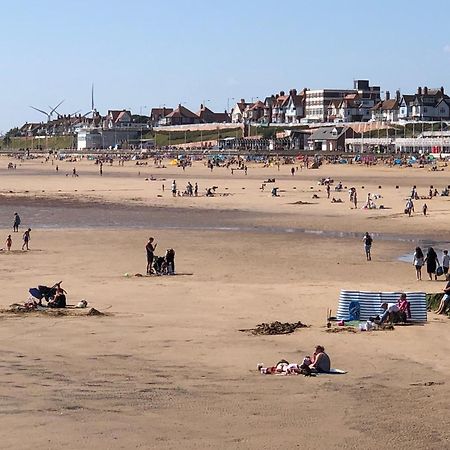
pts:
[159, 265]
[165, 265]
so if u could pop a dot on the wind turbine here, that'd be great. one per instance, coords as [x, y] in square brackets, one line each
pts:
[92, 103]
[52, 110]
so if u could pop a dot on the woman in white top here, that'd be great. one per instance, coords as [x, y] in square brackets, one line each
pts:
[418, 262]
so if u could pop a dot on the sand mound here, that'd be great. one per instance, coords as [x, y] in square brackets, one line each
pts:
[274, 328]
[19, 310]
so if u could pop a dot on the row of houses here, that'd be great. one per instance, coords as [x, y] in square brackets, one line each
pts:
[69, 124]
[363, 103]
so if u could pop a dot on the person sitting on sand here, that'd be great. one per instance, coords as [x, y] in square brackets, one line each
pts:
[392, 313]
[404, 306]
[445, 302]
[59, 301]
[320, 361]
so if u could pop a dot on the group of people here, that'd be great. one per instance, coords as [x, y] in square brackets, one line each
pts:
[395, 312]
[432, 263]
[319, 362]
[26, 237]
[190, 191]
[159, 265]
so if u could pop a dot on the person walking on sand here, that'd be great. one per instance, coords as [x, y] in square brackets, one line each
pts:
[174, 188]
[367, 239]
[328, 190]
[424, 209]
[16, 223]
[445, 262]
[26, 239]
[9, 243]
[418, 262]
[432, 263]
[150, 248]
[196, 190]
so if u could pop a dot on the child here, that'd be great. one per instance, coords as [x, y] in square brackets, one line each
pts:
[424, 209]
[445, 261]
[9, 243]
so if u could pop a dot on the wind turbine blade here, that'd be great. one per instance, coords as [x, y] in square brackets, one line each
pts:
[56, 107]
[40, 110]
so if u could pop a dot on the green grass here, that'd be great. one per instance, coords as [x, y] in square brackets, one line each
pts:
[53, 142]
[270, 132]
[163, 138]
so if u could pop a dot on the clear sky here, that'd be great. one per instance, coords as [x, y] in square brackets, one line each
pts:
[145, 53]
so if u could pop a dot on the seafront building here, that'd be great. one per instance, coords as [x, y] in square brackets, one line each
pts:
[315, 119]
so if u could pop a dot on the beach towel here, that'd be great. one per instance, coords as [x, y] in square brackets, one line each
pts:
[354, 310]
[333, 372]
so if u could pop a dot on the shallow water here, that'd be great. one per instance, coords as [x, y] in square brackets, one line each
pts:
[47, 214]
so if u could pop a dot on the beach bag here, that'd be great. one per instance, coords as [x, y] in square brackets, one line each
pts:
[354, 310]
[439, 271]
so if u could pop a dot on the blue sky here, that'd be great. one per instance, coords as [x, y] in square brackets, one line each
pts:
[141, 54]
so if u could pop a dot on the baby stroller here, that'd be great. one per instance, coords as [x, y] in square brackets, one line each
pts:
[159, 265]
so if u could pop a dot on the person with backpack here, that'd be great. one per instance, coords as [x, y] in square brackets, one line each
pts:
[367, 239]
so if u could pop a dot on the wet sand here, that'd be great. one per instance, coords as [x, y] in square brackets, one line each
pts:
[169, 368]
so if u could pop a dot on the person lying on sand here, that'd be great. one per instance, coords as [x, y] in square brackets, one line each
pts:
[318, 363]
[283, 367]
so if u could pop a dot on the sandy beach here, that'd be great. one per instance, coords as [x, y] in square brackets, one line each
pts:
[167, 366]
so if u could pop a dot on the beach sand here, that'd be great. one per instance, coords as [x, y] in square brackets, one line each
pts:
[167, 367]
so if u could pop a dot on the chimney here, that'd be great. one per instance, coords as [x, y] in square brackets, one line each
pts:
[425, 90]
[397, 95]
[294, 91]
[242, 100]
[388, 95]
[419, 91]
[201, 106]
[282, 93]
[442, 90]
